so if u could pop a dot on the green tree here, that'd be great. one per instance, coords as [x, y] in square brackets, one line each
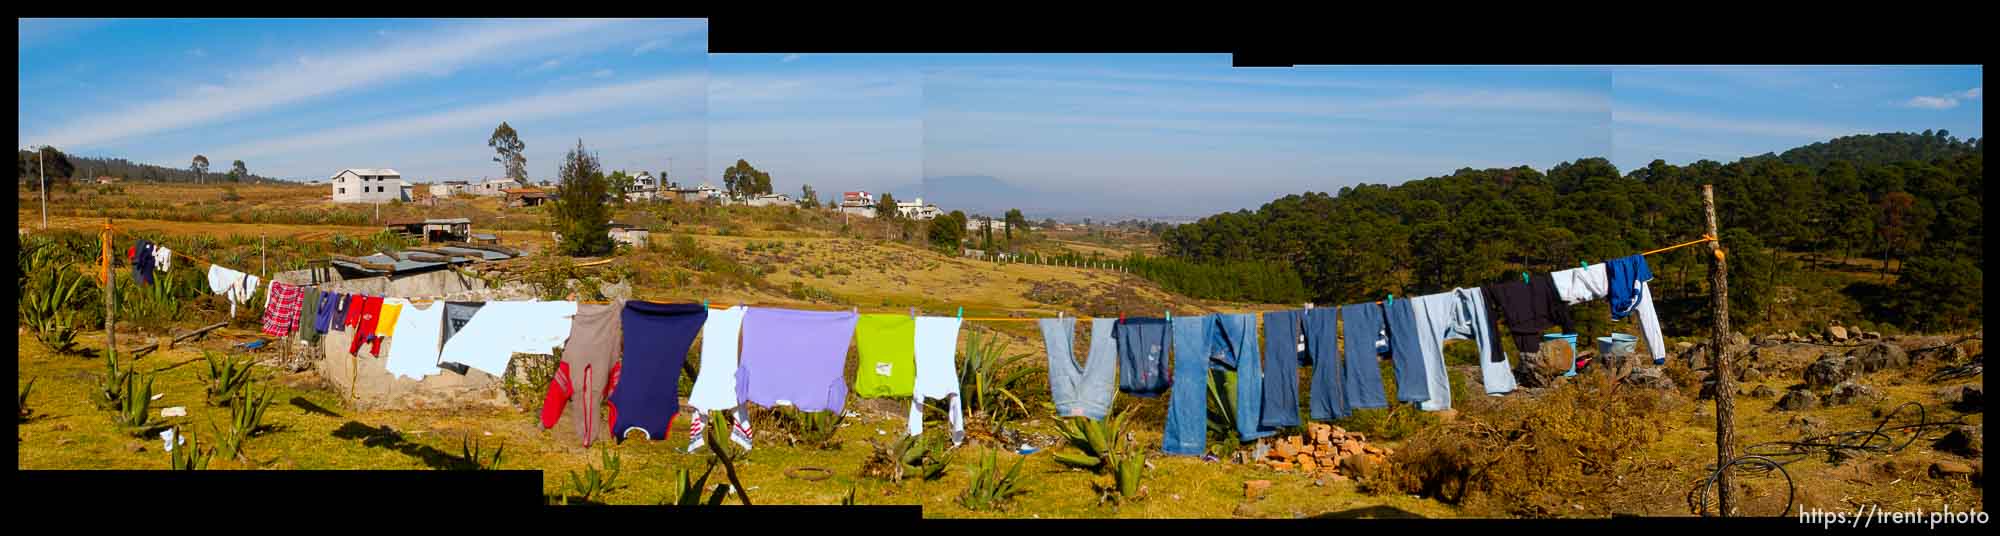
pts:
[742, 179]
[507, 145]
[807, 197]
[59, 165]
[580, 213]
[947, 231]
[620, 183]
[1016, 221]
[885, 207]
[238, 172]
[1937, 292]
[200, 168]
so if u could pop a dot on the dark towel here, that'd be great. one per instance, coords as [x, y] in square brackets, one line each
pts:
[1530, 308]
[142, 262]
[645, 387]
[456, 314]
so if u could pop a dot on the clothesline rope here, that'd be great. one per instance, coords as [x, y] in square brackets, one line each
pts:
[1704, 238]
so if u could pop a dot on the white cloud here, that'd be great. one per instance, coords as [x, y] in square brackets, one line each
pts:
[791, 58]
[546, 65]
[1686, 121]
[602, 73]
[682, 89]
[1971, 94]
[199, 53]
[1933, 103]
[650, 46]
[288, 82]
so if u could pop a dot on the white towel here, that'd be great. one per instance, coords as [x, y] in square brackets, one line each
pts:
[715, 385]
[501, 329]
[937, 373]
[1582, 284]
[413, 352]
[234, 285]
[162, 257]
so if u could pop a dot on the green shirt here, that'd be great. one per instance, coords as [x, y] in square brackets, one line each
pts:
[887, 344]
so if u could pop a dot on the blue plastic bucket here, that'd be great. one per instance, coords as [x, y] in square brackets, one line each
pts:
[1617, 344]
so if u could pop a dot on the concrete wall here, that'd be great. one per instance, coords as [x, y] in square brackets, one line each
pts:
[432, 283]
[367, 384]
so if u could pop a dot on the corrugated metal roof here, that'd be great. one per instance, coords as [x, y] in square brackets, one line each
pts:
[448, 220]
[371, 171]
[403, 264]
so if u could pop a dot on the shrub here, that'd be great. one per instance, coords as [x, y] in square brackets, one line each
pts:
[687, 491]
[135, 405]
[890, 461]
[991, 381]
[815, 428]
[473, 459]
[190, 456]
[50, 308]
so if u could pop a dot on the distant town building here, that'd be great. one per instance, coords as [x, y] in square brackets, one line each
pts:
[917, 210]
[700, 193]
[625, 233]
[977, 223]
[497, 187]
[769, 200]
[368, 186]
[857, 203]
[644, 188]
[450, 188]
[526, 197]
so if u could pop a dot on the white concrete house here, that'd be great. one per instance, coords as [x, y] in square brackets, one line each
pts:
[978, 223]
[368, 185]
[494, 187]
[857, 203]
[769, 200]
[450, 188]
[644, 188]
[917, 210]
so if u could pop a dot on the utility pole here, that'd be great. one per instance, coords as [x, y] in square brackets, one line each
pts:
[1725, 384]
[42, 159]
[110, 297]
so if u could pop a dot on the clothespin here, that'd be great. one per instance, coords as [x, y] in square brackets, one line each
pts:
[913, 312]
[1170, 315]
[1524, 277]
[704, 304]
[1391, 300]
[1581, 264]
[961, 313]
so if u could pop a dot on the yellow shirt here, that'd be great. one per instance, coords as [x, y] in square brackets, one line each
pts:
[386, 322]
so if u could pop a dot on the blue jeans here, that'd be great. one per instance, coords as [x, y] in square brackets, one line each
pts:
[1187, 412]
[1361, 324]
[1327, 399]
[1085, 390]
[1406, 352]
[1281, 369]
[1235, 346]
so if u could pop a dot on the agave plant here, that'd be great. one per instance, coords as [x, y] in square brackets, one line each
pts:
[51, 308]
[246, 416]
[991, 381]
[22, 401]
[226, 377]
[112, 386]
[1222, 413]
[594, 483]
[472, 458]
[849, 499]
[892, 461]
[190, 456]
[815, 428]
[1098, 441]
[687, 492]
[135, 408]
[990, 488]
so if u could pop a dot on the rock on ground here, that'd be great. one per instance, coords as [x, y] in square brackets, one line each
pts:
[1763, 391]
[1880, 356]
[1649, 377]
[1964, 440]
[1836, 333]
[1797, 400]
[1950, 469]
[1829, 371]
[1850, 392]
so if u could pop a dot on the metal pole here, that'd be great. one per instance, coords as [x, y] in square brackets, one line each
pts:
[260, 258]
[42, 162]
[110, 305]
[1725, 385]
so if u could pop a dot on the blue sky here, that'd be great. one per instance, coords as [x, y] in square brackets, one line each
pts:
[306, 98]
[1134, 134]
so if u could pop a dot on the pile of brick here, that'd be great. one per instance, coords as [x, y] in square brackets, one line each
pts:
[1321, 450]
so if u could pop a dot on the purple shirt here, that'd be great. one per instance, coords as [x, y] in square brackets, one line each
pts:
[795, 357]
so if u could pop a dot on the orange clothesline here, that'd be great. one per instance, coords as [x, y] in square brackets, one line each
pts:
[1704, 238]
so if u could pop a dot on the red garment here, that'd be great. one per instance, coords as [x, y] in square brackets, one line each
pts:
[371, 306]
[611, 410]
[281, 309]
[559, 393]
[354, 302]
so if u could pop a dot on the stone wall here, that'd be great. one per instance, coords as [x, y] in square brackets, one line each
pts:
[367, 384]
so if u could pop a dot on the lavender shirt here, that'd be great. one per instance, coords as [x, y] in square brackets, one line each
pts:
[795, 357]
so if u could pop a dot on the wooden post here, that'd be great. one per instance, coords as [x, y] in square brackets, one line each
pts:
[261, 269]
[110, 297]
[1725, 384]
